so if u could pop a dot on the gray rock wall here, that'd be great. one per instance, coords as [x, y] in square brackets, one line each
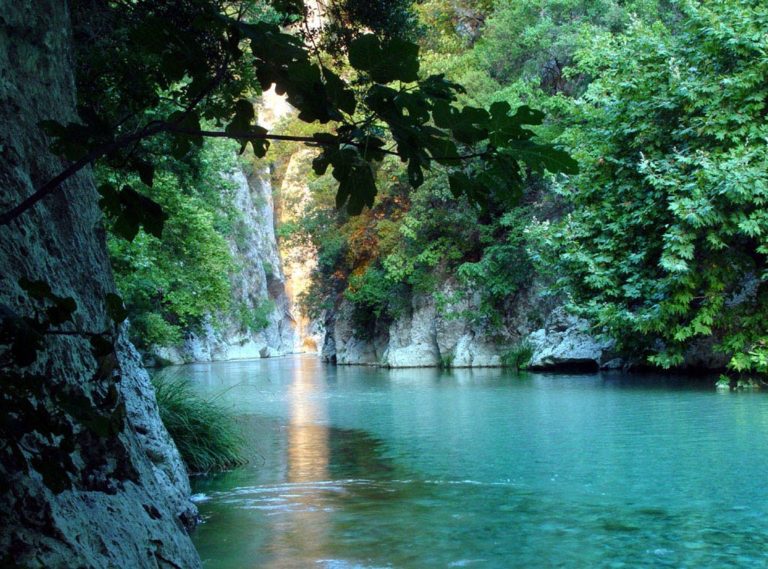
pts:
[431, 334]
[258, 281]
[93, 497]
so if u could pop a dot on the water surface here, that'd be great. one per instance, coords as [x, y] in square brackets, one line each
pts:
[364, 468]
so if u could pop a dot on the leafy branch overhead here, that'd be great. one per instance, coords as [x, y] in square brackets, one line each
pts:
[189, 75]
[52, 315]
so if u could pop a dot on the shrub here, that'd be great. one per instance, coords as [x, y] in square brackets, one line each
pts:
[666, 244]
[375, 298]
[204, 431]
[154, 329]
[256, 319]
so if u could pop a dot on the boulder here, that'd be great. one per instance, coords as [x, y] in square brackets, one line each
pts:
[566, 341]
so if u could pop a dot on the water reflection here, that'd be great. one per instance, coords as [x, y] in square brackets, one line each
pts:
[302, 531]
[308, 434]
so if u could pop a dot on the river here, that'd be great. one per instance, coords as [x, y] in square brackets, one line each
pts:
[357, 467]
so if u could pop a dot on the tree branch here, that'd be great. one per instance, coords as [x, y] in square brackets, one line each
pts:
[306, 140]
[148, 130]
[157, 127]
[55, 183]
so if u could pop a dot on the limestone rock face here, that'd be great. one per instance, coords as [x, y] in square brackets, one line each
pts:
[91, 497]
[413, 337]
[343, 346]
[431, 334]
[565, 340]
[258, 286]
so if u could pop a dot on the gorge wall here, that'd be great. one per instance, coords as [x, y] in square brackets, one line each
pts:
[258, 287]
[270, 276]
[88, 475]
[431, 334]
[539, 328]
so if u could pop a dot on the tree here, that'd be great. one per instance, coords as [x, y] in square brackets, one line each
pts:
[666, 244]
[180, 71]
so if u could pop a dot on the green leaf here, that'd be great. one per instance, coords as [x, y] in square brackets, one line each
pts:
[357, 186]
[101, 346]
[146, 171]
[468, 125]
[542, 157]
[371, 148]
[438, 87]
[241, 121]
[415, 175]
[126, 226]
[61, 311]
[391, 60]
[338, 92]
[459, 184]
[115, 308]
[442, 150]
[39, 290]
[24, 338]
[131, 210]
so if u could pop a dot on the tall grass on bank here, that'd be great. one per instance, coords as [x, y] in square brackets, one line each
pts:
[205, 432]
[518, 357]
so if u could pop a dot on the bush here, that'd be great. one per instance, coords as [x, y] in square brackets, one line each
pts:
[170, 285]
[374, 298]
[666, 244]
[154, 329]
[205, 432]
[255, 319]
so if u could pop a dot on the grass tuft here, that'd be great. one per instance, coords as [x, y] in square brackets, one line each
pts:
[205, 432]
[518, 357]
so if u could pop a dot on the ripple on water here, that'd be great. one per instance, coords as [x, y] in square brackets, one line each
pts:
[361, 468]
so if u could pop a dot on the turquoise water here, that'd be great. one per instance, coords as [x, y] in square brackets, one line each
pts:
[366, 468]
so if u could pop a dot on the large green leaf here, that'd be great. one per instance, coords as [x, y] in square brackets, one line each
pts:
[385, 61]
[131, 210]
[542, 157]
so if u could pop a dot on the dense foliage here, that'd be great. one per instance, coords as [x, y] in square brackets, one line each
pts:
[156, 79]
[658, 241]
[170, 285]
[666, 240]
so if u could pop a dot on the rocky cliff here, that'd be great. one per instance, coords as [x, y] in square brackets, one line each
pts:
[88, 474]
[534, 326]
[258, 286]
[270, 276]
[443, 334]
